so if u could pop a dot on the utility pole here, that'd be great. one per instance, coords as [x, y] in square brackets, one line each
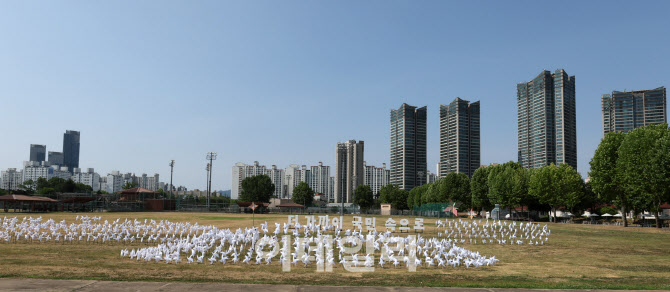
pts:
[211, 156]
[207, 182]
[171, 172]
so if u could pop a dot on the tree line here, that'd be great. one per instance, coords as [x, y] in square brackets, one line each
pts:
[632, 170]
[628, 171]
[44, 187]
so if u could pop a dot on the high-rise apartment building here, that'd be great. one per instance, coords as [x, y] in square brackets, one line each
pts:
[349, 170]
[11, 179]
[459, 137]
[38, 152]
[628, 110]
[71, 149]
[89, 178]
[546, 120]
[376, 177]
[320, 179]
[55, 158]
[114, 182]
[33, 170]
[277, 177]
[408, 146]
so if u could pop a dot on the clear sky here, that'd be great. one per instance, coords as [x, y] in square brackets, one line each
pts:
[282, 82]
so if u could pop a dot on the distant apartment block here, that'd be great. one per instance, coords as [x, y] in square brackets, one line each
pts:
[285, 180]
[349, 169]
[431, 177]
[624, 111]
[38, 152]
[546, 120]
[89, 178]
[376, 177]
[11, 179]
[114, 182]
[408, 146]
[33, 170]
[459, 137]
[319, 179]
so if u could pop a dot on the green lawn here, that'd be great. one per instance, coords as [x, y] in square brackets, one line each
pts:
[576, 256]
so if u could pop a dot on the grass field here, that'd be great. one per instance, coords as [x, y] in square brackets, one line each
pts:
[576, 256]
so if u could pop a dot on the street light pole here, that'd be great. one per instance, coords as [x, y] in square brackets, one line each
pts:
[211, 156]
[171, 172]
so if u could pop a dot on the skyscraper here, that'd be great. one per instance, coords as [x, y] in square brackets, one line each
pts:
[349, 169]
[408, 146]
[71, 149]
[55, 158]
[546, 119]
[459, 137]
[38, 152]
[627, 110]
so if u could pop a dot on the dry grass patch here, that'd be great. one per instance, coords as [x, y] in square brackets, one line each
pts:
[576, 256]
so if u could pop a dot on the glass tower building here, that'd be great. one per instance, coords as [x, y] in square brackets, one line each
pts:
[408, 146]
[627, 110]
[71, 149]
[459, 137]
[38, 152]
[546, 120]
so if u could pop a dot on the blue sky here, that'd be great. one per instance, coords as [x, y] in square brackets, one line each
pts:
[282, 82]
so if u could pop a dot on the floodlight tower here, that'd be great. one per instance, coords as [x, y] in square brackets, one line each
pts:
[211, 156]
[171, 172]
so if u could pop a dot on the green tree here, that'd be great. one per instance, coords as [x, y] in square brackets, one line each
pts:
[556, 186]
[363, 196]
[42, 183]
[571, 185]
[457, 189]
[660, 168]
[436, 192]
[508, 184]
[3, 192]
[303, 194]
[28, 186]
[129, 185]
[415, 195]
[605, 181]
[646, 184]
[390, 194]
[82, 188]
[589, 200]
[257, 188]
[479, 187]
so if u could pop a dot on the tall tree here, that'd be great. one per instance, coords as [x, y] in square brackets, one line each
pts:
[605, 181]
[437, 192]
[570, 183]
[479, 187]
[303, 194]
[556, 186]
[28, 186]
[415, 195]
[457, 190]
[390, 194]
[508, 185]
[645, 183]
[363, 196]
[660, 165]
[257, 188]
